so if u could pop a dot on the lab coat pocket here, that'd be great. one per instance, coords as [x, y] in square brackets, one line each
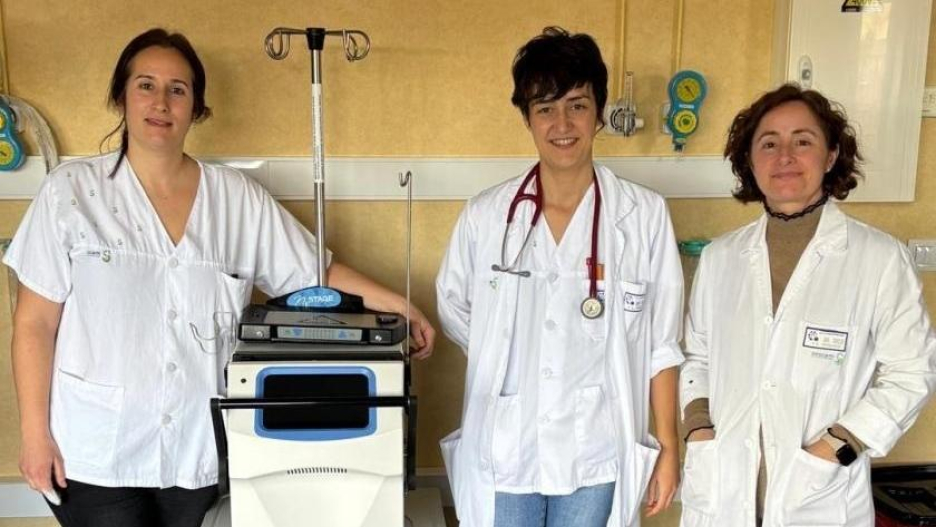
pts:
[700, 483]
[645, 458]
[820, 354]
[633, 296]
[594, 429]
[505, 445]
[450, 456]
[86, 419]
[815, 493]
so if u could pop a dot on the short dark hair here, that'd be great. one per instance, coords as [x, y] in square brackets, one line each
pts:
[837, 182]
[551, 64]
[116, 95]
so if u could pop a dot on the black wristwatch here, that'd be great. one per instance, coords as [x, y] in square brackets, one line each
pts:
[844, 452]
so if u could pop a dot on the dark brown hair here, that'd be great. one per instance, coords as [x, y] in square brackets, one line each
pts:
[840, 135]
[555, 62]
[117, 94]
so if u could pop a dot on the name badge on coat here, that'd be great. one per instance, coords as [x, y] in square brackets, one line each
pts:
[634, 302]
[826, 344]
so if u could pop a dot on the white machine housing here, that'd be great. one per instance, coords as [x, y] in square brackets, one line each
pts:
[350, 477]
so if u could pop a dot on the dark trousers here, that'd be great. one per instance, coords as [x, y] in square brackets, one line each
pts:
[86, 505]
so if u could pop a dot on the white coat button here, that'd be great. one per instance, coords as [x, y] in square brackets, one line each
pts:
[552, 277]
[748, 443]
[550, 325]
[166, 419]
[768, 385]
[171, 315]
[547, 373]
[173, 263]
[768, 320]
[544, 420]
[171, 367]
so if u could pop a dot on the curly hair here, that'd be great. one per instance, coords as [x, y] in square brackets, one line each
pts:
[837, 182]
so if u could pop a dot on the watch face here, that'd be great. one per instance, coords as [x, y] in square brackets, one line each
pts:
[688, 90]
[846, 455]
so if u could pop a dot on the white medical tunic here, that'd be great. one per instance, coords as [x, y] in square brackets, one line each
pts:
[553, 430]
[147, 326]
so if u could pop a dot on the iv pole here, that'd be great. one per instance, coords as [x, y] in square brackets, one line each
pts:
[277, 47]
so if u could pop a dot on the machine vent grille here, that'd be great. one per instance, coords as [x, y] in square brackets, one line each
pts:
[316, 470]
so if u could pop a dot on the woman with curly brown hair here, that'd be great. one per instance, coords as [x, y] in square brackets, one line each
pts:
[809, 348]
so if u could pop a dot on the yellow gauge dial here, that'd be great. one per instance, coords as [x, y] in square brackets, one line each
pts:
[685, 122]
[688, 90]
[6, 153]
[2, 120]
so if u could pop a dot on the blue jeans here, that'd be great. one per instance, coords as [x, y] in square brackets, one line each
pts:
[586, 507]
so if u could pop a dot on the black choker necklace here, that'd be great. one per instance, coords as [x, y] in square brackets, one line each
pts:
[800, 214]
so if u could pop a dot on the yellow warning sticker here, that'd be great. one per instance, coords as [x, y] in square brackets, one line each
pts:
[860, 6]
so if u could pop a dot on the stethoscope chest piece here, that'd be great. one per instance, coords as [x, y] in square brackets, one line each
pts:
[592, 308]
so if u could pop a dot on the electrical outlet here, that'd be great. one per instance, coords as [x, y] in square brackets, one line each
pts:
[929, 101]
[924, 254]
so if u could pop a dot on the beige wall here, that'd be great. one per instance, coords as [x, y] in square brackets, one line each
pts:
[436, 84]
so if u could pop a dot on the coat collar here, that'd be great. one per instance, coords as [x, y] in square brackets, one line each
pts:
[617, 201]
[831, 233]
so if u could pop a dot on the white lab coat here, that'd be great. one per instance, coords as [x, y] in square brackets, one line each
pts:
[477, 307]
[850, 342]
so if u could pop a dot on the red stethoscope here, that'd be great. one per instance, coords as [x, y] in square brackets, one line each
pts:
[592, 306]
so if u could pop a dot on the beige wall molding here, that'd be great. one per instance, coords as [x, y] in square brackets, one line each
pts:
[452, 178]
[436, 178]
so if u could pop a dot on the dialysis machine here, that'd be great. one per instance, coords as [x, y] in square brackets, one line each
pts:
[316, 434]
[318, 427]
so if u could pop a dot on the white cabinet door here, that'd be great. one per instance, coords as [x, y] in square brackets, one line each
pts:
[873, 62]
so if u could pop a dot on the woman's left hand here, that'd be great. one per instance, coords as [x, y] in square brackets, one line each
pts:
[422, 333]
[663, 482]
[822, 450]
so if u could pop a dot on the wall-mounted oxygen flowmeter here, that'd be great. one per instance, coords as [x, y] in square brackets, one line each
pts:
[11, 150]
[687, 90]
[621, 116]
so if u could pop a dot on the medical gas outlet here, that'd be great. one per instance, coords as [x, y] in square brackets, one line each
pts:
[621, 117]
[11, 150]
[687, 89]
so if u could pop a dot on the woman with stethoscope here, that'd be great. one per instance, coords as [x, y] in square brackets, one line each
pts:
[570, 320]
